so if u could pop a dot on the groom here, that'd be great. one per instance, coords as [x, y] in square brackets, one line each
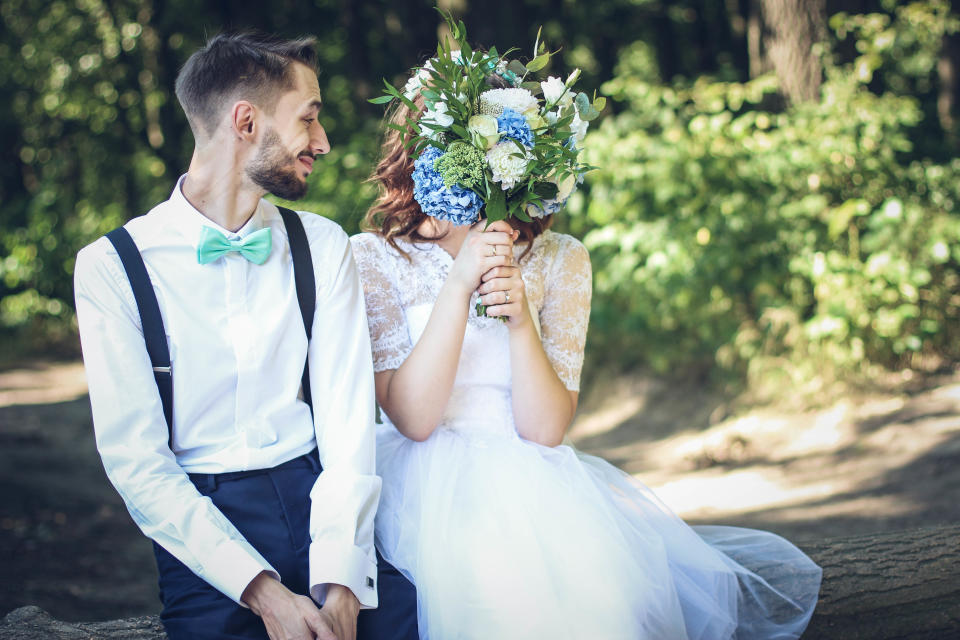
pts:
[259, 492]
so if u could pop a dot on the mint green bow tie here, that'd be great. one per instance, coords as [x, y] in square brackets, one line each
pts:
[213, 244]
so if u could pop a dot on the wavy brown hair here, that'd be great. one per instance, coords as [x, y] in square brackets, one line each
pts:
[395, 213]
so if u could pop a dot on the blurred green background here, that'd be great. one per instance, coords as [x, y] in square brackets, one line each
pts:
[777, 198]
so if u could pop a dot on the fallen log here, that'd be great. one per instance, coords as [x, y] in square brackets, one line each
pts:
[903, 585]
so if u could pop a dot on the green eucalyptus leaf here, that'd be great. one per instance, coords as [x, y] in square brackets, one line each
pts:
[532, 87]
[582, 102]
[517, 67]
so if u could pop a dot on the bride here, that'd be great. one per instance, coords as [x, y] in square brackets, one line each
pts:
[506, 531]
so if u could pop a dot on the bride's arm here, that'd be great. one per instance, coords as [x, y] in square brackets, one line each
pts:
[416, 393]
[542, 406]
[543, 402]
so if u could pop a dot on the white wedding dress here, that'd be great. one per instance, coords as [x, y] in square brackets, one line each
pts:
[504, 538]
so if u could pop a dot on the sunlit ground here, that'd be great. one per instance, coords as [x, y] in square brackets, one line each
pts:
[862, 464]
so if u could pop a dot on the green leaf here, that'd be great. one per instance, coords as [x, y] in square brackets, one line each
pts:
[521, 214]
[599, 103]
[517, 67]
[532, 87]
[381, 100]
[496, 203]
[582, 102]
[546, 190]
[538, 63]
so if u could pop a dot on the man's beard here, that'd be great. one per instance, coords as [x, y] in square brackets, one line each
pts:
[274, 169]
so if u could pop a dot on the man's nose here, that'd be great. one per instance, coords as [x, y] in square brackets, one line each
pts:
[318, 140]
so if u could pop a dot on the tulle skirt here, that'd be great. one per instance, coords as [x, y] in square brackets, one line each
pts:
[505, 539]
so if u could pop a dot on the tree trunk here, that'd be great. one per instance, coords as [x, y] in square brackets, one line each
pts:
[892, 585]
[948, 69]
[790, 30]
[902, 585]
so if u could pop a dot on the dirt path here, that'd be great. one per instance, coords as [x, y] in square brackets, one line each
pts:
[862, 464]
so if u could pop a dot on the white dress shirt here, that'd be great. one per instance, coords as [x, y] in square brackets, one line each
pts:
[237, 347]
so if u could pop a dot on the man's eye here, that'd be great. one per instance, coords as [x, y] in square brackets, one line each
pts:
[309, 121]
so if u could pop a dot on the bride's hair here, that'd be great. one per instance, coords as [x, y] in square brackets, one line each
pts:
[395, 213]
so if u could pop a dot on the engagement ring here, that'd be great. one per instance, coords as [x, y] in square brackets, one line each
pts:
[507, 294]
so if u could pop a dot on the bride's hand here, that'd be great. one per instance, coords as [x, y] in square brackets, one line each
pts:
[503, 294]
[481, 251]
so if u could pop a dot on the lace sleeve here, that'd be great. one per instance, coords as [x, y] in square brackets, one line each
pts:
[566, 310]
[389, 336]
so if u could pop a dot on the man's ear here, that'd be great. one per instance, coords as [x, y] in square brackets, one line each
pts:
[243, 121]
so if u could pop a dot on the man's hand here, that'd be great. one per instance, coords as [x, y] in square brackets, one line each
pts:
[287, 615]
[340, 609]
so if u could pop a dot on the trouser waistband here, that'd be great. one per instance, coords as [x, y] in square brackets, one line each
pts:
[210, 481]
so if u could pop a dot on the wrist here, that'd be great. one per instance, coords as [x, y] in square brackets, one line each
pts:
[341, 596]
[258, 593]
[457, 290]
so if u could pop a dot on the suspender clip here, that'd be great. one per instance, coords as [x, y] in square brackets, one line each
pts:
[161, 369]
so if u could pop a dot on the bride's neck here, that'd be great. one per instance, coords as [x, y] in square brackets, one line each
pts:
[449, 237]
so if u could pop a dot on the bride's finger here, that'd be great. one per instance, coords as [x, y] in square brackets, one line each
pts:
[503, 271]
[497, 298]
[498, 284]
[500, 225]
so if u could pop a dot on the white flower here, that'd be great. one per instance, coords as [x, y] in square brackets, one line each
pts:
[555, 92]
[565, 187]
[579, 128]
[411, 88]
[436, 114]
[483, 131]
[494, 101]
[507, 165]
[552, 117]
[415, 83]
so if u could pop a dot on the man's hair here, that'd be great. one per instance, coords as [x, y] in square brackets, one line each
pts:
[238, 66]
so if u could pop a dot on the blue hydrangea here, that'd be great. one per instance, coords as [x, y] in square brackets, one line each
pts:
[457, 204]
[550, 207]
[513, 125]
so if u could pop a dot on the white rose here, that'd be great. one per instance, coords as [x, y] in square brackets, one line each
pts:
[555, 92]
[565, 187]
[483, 131]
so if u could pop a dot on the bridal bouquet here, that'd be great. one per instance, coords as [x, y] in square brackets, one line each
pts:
[491, 138]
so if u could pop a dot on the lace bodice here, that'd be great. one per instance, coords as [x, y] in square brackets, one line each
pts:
[400, 291]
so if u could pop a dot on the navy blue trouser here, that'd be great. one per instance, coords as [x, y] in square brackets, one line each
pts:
[271, 508]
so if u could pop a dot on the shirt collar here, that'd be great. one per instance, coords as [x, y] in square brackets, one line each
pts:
[189, 221]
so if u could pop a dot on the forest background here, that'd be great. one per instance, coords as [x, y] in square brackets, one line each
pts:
[775, 215]
[777, 195]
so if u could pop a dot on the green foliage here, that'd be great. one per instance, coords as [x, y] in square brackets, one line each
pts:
[804, 244]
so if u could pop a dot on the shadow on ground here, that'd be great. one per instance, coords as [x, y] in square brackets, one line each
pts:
[877, 463]
[66, 541]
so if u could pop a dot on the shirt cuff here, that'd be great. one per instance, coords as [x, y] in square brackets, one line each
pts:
[232, 567]
[351, 567]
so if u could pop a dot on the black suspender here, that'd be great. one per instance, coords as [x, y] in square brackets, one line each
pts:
[150, 319]
[152, 322]
[306, 286]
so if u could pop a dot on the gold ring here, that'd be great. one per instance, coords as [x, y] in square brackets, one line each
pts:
[494, 250]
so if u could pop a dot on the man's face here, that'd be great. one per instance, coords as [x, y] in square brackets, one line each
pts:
[292, 137]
